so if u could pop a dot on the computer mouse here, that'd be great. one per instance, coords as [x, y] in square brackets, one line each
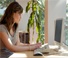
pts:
[38, 54]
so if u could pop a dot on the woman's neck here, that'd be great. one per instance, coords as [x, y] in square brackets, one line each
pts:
[11, 32]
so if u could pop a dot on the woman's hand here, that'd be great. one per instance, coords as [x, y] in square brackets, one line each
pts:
[38, 45]
[35, 46]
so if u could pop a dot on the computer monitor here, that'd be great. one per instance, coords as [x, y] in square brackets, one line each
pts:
[58, 32]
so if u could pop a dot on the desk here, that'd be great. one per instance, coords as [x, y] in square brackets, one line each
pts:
[29, 54]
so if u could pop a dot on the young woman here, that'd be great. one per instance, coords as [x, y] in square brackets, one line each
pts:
[8, 26]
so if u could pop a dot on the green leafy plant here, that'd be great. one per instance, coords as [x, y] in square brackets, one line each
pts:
[35, 17]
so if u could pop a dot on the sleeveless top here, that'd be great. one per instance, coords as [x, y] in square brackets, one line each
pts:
[13, 39]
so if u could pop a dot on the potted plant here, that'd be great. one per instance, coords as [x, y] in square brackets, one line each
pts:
[35, 17]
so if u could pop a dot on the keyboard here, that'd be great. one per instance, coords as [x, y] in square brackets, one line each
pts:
[43, 49]
[46, 50]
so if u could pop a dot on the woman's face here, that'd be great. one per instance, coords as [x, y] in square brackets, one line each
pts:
[16, 17]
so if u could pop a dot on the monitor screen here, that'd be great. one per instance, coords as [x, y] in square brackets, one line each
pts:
[58, 30]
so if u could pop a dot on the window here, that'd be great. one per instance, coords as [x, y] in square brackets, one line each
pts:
[3, 5]
[66, 24]
[42, 8]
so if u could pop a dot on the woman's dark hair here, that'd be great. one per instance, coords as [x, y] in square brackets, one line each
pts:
[7, 18]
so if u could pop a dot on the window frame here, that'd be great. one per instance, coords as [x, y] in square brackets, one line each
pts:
[64, 44]
[46, 22]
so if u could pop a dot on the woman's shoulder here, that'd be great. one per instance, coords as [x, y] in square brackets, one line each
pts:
[2, 28]
[1, 25]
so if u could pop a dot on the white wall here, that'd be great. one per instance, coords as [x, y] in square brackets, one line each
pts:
[56, 9]
[24, 17]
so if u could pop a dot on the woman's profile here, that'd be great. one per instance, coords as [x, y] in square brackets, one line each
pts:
[8, 27]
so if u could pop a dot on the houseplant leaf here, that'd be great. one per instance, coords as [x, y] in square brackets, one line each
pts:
[28, 6]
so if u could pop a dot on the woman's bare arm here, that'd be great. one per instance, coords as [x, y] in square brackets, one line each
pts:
[15, 48]
[25, 44]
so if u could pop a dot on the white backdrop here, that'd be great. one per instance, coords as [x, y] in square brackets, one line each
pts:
[56, 9]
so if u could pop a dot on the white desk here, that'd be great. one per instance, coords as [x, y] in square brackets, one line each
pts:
[29, 54]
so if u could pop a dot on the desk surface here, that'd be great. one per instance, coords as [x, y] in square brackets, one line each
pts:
[29, 54]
